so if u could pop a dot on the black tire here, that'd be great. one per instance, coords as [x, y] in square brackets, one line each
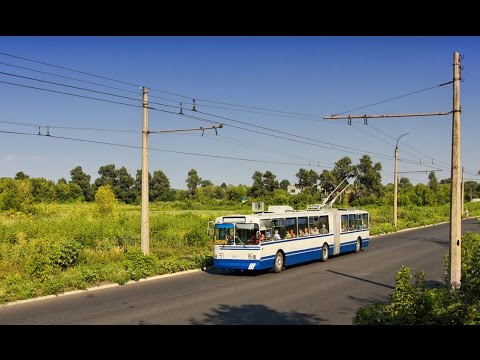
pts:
[324, 255]
[358, 245]
[279, 261]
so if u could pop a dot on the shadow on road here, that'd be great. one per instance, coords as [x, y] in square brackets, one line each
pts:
[255, 315]
[359, 278]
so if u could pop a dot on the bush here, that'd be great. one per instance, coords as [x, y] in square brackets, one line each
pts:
[67, 254]
[416, 304]
[139, 265]
[105, 200]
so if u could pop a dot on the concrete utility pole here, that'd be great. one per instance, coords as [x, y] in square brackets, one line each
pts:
[145, 222]
[395, 182]
[145, 228]
[463, 190]
[455, 203]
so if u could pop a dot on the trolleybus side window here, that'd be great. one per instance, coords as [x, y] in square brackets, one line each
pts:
[344, 223]
[358, 221]
[291, 228]
[266, 228]
[303, 226]
[351, 222]
[279, 224]
[314, 225]
[323, 225]
[365, 220]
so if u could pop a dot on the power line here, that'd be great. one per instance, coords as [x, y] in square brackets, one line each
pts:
[356, 151]
[290, 116]
[161, 150]
[129, 98]
[81, 88]
[84, 81]
[69, 127]
[65, 93]
[384, 133]
[125, 97]
[215, 101]
[150, 88]
[403, 160]
[276, 112]
[69, 78]
[394, 98]
[337, 147]
[269, 149]
[69, 86]
[69, 69]
[289, 134]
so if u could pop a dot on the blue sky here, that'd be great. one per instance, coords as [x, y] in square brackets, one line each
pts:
[285, 84]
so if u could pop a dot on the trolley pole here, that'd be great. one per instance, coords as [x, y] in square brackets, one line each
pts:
[455, 203]
[145, 229]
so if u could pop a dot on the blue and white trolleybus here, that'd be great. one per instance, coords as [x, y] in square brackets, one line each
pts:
[282, 236]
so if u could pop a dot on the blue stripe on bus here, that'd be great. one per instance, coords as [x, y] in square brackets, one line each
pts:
[291, 258]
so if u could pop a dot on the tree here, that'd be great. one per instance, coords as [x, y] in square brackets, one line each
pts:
[369, 176]
[257, 189]
[138, 185]
[43, 190]
[284, 184]
[205, 183]
[83, 180]
[425, 196]
[68, 192]
[219, 192]
[108, 176]
[160, 187]
[124, 186]
[328, 181]
[404, 183]
[193, 180]
[471, 189]
[269, 181]
[122, 183]
[432, 181]
[307, 180]
[236, 193]
[21, 176]
[342, 169]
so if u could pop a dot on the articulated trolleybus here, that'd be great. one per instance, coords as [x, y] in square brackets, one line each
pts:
[282, 236]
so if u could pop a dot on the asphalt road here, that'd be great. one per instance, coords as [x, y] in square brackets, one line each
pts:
[316, 293]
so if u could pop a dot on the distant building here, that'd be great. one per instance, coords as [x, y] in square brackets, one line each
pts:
[294, 190]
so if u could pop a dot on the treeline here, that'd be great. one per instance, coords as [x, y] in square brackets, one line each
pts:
[22, 191]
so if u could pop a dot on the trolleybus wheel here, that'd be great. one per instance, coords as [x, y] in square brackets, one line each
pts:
[278, 264]
[324, 256]
[358, 245]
